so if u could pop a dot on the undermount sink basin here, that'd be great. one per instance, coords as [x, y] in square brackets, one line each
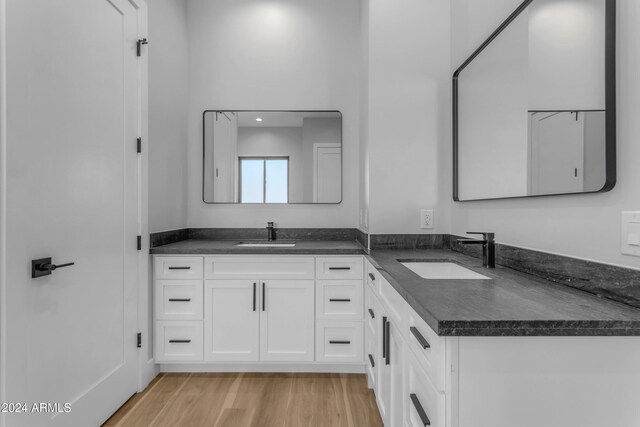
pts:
[266, 244]
[442, 270]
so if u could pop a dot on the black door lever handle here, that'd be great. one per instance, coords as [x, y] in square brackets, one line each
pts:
[44, 267]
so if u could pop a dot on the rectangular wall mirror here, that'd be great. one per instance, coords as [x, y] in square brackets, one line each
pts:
[272, 157]
[534, 105]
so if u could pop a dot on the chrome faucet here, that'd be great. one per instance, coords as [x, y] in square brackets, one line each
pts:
[488, 247]
[271, 232]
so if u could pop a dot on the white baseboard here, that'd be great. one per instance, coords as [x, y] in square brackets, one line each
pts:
[264, 367]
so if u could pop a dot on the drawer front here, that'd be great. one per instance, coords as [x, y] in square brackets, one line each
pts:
[339, 342]
[339, 299]
[372, 277]
[421, 399]
[176, 267]
[371, 312]
[179, 299]
[393, 302]
[259, 267]
[179, 341]
[348, 268]
[428, 347]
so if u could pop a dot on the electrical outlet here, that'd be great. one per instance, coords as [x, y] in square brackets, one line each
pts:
[426, 218]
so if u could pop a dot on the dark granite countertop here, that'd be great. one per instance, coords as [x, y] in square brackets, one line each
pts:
[229, 247]
[509, 304]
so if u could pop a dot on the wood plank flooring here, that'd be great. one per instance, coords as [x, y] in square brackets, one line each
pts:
[251, 400]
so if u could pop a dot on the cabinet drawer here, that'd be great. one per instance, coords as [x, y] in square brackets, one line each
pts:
[428, 347]
[372, 277]
[170, 267]
[339, 299]
[349, 268]
[371, 312]
[178, 299]
[178, 341]
[259, 267]
[339, 342]
[393, 302]
[421, 399]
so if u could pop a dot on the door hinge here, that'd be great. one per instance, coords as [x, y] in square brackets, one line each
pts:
[139, 243]
[139, 44]
[139, 145]
[139, 339]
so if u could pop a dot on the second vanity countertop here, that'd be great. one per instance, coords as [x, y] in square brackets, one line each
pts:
[511, 303]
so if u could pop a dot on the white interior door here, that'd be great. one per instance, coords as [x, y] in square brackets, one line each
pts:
[557, 153]
[71, 194]
[327, 173]
[287, 321]
[231, 320]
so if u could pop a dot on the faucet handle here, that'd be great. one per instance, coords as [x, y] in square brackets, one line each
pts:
[269, 224]
[486, 235]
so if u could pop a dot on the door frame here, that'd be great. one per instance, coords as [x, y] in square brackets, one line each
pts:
[316, 146]
[3, 205]
[147, 369]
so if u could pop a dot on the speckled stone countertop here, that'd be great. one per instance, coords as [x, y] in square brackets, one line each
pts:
[229, 247]
[509, 304]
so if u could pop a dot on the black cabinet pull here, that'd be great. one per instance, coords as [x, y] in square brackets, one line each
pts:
[263, 297]
[373, 364]
[180, 268]
[180, 341]
[179, 299]
[339, 300]
[371, 276]
[372, 314]
[339, 342]
[384, 337]
[422, 340]
[339, 268]
[420, 410]
[254, 296]
[387, 341]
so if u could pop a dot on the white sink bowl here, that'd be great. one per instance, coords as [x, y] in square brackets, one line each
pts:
[266, 245]
[442, 270]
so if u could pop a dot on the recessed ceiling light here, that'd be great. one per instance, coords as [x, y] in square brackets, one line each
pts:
[259, 119]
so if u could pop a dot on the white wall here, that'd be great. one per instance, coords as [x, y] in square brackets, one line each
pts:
[408, 114]
[168, 101]
[277, 142]
[285, 54]
[584, 226]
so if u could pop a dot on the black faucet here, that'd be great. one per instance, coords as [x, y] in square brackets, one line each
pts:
[488, 247]
[271, 232]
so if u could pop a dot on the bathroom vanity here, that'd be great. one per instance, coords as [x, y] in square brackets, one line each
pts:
[484, 347]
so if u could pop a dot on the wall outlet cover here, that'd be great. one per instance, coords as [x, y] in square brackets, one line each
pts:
[630, 234]
[426, 218]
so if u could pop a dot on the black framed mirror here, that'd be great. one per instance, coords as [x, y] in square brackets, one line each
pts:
[272, 157]
[534, 109]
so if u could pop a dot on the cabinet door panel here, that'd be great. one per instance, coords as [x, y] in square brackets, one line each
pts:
[231, 323]
[287, 320]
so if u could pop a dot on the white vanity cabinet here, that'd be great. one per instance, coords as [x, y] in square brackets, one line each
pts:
[259, 308]
[389, 343]
[564, 381]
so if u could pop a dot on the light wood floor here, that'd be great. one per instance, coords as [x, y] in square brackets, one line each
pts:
[250, 399]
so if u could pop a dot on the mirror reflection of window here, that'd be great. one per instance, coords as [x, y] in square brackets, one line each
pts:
[264, 180]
